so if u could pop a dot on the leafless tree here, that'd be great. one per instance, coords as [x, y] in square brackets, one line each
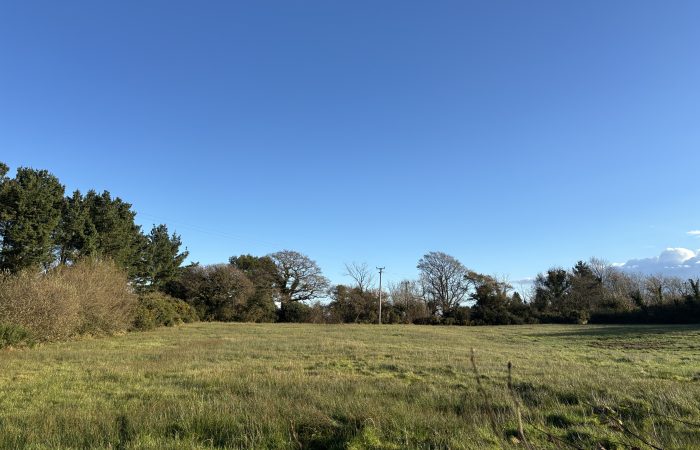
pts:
[601, 269]
[361, 274]
[676, 289]
[444, 279]
[298, 277]
[655, 287]
[526, 288]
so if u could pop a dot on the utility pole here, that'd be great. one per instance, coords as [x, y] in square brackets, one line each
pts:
[405, 293]
[380, 269]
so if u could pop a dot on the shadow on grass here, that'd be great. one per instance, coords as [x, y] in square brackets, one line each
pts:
[622, 331]
[329, 435]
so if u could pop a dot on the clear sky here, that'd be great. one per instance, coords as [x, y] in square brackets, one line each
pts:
[513, 135]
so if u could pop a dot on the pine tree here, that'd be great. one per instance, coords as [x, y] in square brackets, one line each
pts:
[118, 236]
[78, 235]
[30, 213]
[161, 258]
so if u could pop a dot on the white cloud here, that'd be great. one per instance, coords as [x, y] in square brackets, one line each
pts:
[679, 262]
[695, 233]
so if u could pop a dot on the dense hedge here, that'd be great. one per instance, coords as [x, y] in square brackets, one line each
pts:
[156, 309]
[685, 312]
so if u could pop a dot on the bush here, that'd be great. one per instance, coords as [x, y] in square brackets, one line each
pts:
[156, 309]
[106, 301]
[296, 312]
[90, 297]
[12, 335]
[428, 320]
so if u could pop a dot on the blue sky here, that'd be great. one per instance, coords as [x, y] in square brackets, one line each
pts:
[512, 135]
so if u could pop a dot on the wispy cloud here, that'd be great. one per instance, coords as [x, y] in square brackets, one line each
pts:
[695, 233]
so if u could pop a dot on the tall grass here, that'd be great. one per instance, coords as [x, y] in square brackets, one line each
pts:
[90, 297]
[291, 386]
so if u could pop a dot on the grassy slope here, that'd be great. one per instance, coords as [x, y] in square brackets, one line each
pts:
[285, 386]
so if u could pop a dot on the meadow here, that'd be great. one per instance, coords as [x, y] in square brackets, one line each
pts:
[233, 385]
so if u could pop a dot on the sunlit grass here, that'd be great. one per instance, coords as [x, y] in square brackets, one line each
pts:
[212, 385]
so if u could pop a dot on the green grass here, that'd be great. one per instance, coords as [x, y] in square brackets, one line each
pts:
[215, 385]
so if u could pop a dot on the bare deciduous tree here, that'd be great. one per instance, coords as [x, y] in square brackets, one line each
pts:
[602, 269]
[361, 274]
[298, 277]
[655, 286]
[444, 279]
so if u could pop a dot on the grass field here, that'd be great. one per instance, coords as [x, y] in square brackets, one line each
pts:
[212, 385]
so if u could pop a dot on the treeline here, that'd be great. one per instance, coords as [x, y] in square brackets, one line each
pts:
[288, 286]
[79, 264]
[41, 227]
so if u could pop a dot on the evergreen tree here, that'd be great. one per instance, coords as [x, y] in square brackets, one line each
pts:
[118, 236]
[492, 302]
[77, 236]
[551, 291]
[261, 271]
[161, 258]
[30, 213]
[586, 292]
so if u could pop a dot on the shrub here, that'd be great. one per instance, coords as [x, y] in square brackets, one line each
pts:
[156, 309]
[106, 302]
[294, 312]
[12, 335]
[41, 304]
[89, 297]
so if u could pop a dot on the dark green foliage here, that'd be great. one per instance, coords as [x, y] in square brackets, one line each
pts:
[551, 290]
[294, 312]
[155, 309]
[39, 228]
[13, 335]
[494, 306]
[459, 315]
[118, 236]
[353, 305]
[258, 307]
[30, 213]
[585, 294]
[77, 235]
[492, 302]
[261, 271]
[161, 258]
[218, 292]
[686, 312]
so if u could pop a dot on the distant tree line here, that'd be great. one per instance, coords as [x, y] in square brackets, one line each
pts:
[43, 230]
[287, 286]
